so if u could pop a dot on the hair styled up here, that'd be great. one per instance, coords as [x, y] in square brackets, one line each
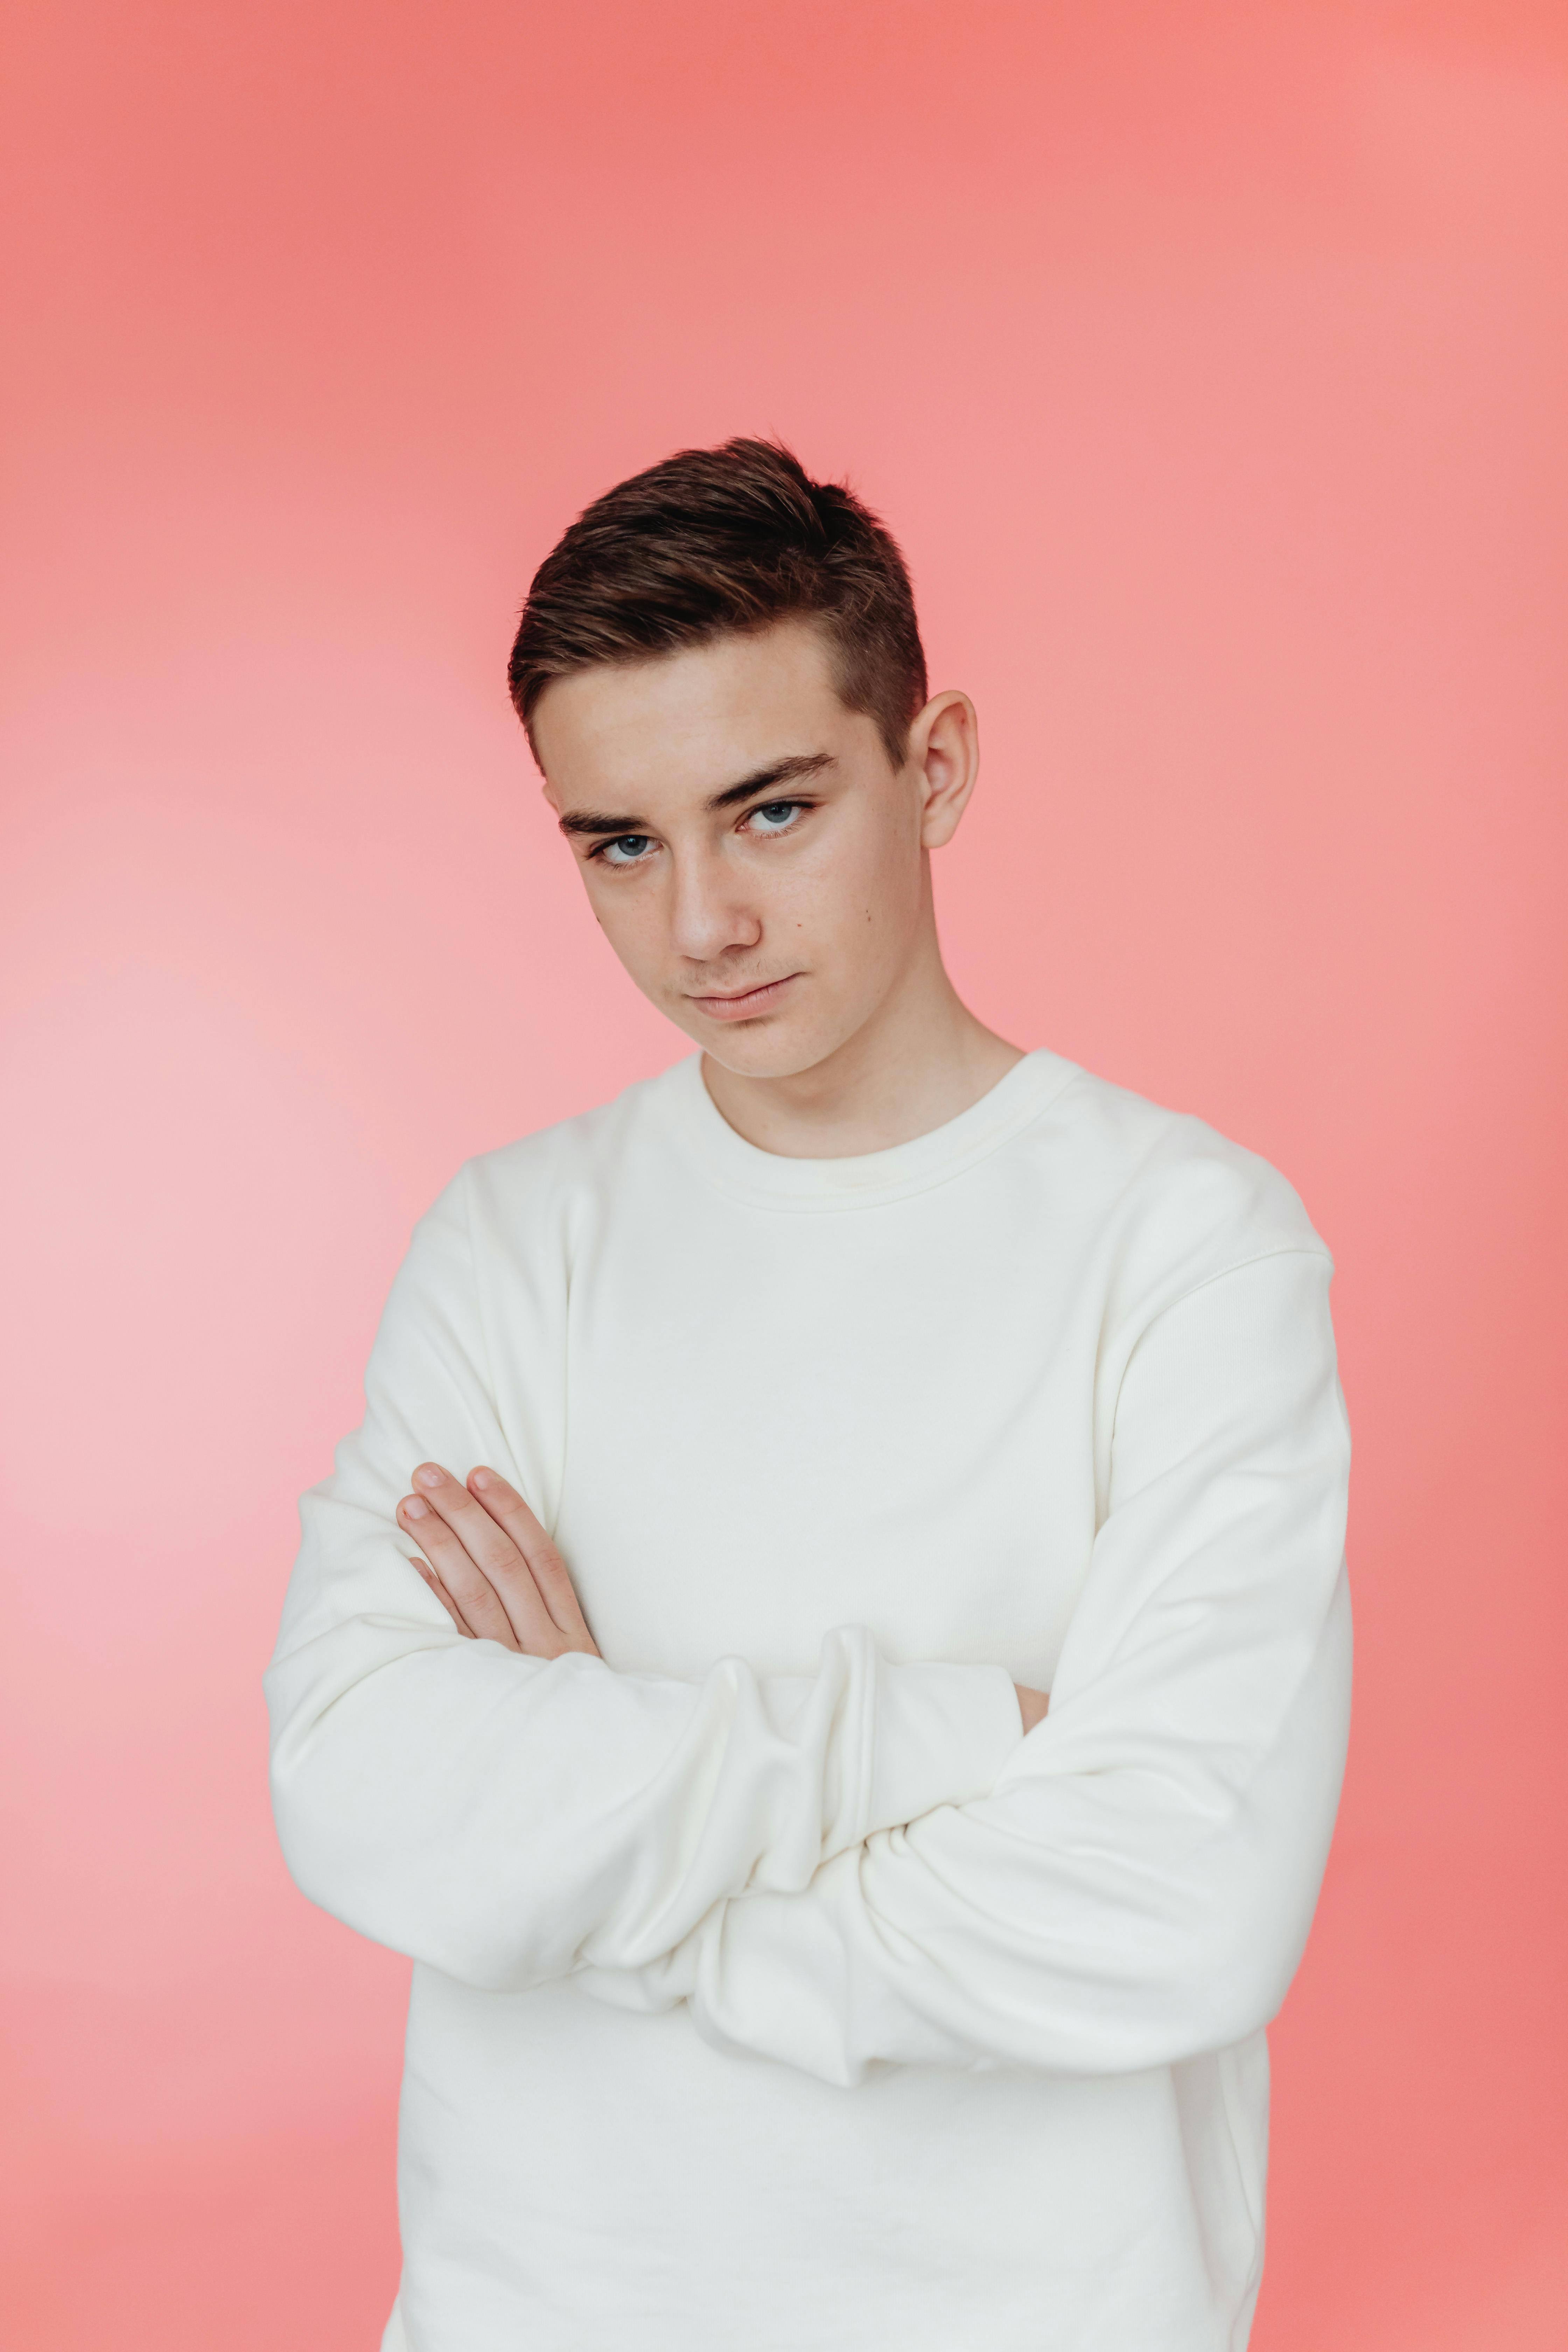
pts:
[719, 542]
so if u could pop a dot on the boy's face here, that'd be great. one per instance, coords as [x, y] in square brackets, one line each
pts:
[754, 861]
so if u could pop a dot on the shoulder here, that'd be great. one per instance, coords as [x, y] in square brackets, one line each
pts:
[529, 1181]
[1177, 1202]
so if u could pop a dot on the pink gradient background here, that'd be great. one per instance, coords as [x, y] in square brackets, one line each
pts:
[1212, 363]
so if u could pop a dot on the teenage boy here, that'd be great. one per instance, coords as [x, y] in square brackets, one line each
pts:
[769, 1442]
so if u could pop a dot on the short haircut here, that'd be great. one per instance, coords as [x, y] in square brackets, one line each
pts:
[713, 542]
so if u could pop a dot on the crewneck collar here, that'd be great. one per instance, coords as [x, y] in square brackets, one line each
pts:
[866, 1180]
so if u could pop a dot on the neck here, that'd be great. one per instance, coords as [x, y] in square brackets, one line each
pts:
[922, 1059]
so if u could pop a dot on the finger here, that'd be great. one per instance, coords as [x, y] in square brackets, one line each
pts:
[444, 1597]
[479, 1562]
[548, 1570]
[476, 1599]
[476, 1610]
[472, 1551]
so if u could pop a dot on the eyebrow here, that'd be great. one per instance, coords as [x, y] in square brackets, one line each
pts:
[796, 770]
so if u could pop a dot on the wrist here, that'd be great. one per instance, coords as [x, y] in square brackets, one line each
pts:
[1032, 1706]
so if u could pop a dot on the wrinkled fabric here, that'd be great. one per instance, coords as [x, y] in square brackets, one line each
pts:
[771, 1988]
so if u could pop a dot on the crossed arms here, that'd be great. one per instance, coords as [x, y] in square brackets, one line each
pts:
[872, 1863]
[499, 1577]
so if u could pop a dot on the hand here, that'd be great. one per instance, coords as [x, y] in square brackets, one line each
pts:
[490, 1564]
[1032, 1706]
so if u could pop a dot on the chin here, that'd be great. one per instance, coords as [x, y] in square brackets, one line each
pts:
[765, 1049]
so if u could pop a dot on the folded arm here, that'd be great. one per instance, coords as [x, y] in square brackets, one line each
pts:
[511, 1817]
[1138, 1885]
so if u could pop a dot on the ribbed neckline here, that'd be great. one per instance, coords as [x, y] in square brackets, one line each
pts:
[769, 1180]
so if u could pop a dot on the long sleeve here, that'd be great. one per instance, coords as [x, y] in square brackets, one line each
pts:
[1138, 1885]
[511, 1820]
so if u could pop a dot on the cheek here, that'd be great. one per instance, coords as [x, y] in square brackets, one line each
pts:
[865, 884]
[624, 922]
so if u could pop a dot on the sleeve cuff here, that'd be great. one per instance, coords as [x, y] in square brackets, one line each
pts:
[943, 1734]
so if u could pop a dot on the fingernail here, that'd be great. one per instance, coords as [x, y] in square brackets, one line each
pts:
[484, 1479]
[415, 1509]
[429, 1477]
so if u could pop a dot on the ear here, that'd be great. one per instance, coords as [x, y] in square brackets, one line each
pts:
[944, 750]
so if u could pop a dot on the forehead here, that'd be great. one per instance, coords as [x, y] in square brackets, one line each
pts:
[689, 723]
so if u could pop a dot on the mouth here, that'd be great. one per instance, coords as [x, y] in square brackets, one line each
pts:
[747, 1002]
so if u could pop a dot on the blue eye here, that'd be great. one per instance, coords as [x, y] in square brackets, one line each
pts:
[628, 850]
[780, 814]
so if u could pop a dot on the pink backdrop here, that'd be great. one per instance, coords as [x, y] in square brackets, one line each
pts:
[1212, 362]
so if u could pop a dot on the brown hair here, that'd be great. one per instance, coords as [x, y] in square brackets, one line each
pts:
[712, 542]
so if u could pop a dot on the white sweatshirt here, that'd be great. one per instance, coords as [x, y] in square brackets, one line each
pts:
[772, 1993]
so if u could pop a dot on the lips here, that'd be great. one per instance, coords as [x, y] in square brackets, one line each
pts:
[746, 1003]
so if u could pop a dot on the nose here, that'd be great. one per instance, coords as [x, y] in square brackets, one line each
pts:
[710, 916]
